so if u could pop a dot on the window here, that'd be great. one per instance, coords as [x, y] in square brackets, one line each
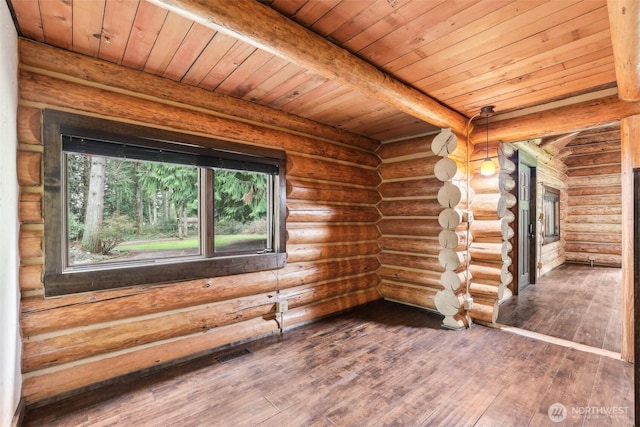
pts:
[551, 206]
[128, 205]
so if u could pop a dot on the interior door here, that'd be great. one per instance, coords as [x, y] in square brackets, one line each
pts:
[525, 228]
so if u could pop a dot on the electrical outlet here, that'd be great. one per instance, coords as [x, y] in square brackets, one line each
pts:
[282, 306]
[468, 303]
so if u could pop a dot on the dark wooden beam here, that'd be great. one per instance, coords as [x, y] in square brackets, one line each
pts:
[263, 27]
[624, 21]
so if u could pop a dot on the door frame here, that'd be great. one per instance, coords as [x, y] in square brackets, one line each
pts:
[522, 157]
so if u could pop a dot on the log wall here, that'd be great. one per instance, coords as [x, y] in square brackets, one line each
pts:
[75, 341]
[491, 231]
[413, 263]
[593, 230]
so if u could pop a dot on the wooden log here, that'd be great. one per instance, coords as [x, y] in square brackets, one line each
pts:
[45, 315]
[596, 159]
[594, 248]
[413, 295]
[506, 165]
[267, 29]
[451, 239]
[410, 244]
[484, 311]
[509, 216]
[506, 182]
[29, 168]
[78, 375]
[494, 272]
[298, 189]
[446, 169]
[486, 290]
[592, 210]
[596, 200]
[506, 149]
[449, 259]
[310, 294]
[596, 170]
[71, 95]
[418, 262]
[40, 353]
[407, 148]
[484, 184]
[411, 168]
[30, 208]
[74, 376]
[456, 322]
[624, 21]
[481, 229]
[485, 206]
[586, 181]
[584, 115]
[420, 207]
[594, 190]
[64, 347]
[490, 252]
[303, 233]
[505, 203]
[444, 143]
[423, 187]
[452, 281]
[313, 168]
[30, 243]
[410, 227]
[30, 277]
[449, 196]
[313, 212]
[590, 228]
[447, 302]
[403, 275]
[596, 219]
[594, 145]
[29, 125]
[450, 219]
[314, 252]
[325, 308]
[96, 71]
[593, 237]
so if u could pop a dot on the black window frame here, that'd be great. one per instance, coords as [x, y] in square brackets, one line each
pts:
[203, 151]
[551, 195]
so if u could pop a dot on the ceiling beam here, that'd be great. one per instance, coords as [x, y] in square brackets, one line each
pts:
[624, 21]
[585, 115]
[263, 27]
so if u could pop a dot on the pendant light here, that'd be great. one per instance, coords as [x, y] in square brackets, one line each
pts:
[487, 168]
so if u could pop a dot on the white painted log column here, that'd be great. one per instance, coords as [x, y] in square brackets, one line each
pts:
[449, 300]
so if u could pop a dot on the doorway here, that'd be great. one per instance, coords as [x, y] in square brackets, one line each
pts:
[526, 244]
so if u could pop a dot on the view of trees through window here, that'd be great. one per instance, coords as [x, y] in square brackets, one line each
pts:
[127, 210]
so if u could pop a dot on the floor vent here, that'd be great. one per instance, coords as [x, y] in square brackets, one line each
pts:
[227, 357]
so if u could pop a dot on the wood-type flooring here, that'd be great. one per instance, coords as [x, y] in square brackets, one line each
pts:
[383, 364]
[574, 302]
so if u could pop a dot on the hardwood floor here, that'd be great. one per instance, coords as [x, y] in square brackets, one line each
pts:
[573, 302]
[383, 364]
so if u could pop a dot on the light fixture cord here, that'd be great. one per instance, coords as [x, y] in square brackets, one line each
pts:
[487, 126]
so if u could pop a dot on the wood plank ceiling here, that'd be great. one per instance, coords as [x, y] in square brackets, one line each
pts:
[462, 53]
